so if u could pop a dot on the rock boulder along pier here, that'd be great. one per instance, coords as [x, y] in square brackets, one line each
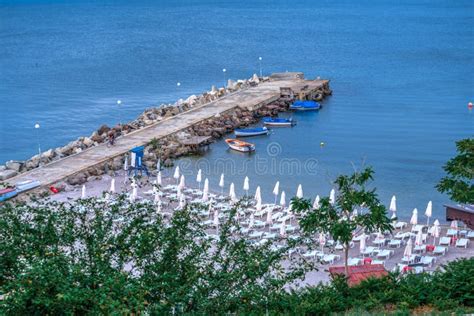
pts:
[169, 137]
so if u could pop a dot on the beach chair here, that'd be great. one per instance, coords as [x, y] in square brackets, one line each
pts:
[382, 262]
[402, 235]
[256, 235]
[330, 258]
[470, 234]
[369, 251]
[400, 225]
[463, 242]
[311, 254]
[444, 241]
[416, 228]
[358, 238]
[354, 261]
[419, 249]
[380, 242]
[409, 259]
[440, 250]
[395, 243]
[428, 260]
[451, 232]
[385, 254]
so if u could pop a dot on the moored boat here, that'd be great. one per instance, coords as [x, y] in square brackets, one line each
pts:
[305, 105]
[27, 185]
[7, 193]
[278, 121]
[239, 145]
[251, 131]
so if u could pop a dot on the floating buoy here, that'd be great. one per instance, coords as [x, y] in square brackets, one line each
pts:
[469, 105]
[322, 144]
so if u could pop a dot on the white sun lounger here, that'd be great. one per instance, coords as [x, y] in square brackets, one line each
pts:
[440, 250]
[428, 260]
[312, 254]
[382, 262]
[409, 259]
[400, 225]
[330, 258]
[419, 248]
[444, 241]
[380, 241]
[463, 242]
[369, 251]
[470, 234]
[354, 261]
[385, 254]
[402, 235]
[395, 243]
[452, 232]
[416, 228]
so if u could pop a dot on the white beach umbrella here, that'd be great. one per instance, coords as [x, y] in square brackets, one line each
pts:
[283, 229]
[176, 174]
[332, 197]
[199, 178]
[83, 192]
[182, 182]
[414, 217]
[158, 178]
[251, 220]
[258, 194]
[283, 199]
[436, 231]
[316, 202]
[419, 238]
[134, 194]
[362, 243]
[299, 192]
[221, 183]
[112, 186]
[393, 204]
[322, 241]
[276, 190]
[125, 163]
[408, 249]
[246, 185]
[269, 216]
[394, 217]
[232, 195]
[429, 212]
[454, 224]
[178, 192]
[205, 191]
[258, 205]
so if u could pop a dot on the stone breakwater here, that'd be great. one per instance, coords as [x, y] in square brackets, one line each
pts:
[174, 144]
[148, 117]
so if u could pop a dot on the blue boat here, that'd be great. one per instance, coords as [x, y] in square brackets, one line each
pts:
[278, 121]
[251, 131]
[7, 193]
[305, 106]
[27, 185]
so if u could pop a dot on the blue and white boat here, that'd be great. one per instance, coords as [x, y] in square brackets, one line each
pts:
[278, 121]
[7, 193]
[27, 185]
[251, 132]
[305, 106]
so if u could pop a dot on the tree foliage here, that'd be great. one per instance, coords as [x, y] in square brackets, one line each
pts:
[338, 219]
[459, 181]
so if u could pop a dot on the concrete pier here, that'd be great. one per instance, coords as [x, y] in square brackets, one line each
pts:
[251, 98]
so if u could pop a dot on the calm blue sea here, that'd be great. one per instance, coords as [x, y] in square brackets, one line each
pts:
[401, 71]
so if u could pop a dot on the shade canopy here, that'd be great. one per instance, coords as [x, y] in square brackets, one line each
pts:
[276, 189]
[393, 204]
[299, 192]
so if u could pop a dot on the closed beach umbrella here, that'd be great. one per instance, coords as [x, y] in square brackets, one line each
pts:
[322, 241]
[158, 178]
[199, 178]
[276, 190]
[83, 192]
[178, 192]
[419, 238]
[414, 217]
[269, 216]
[182, 182]
[112, 186]
[251, 220]
[429, 212]
[258, 194]
[394, 217]
[232, 195]
[283, 199]
[176, 174]
[408, 249]
[246, 185]
[258, 205]
[362, 243]
[283, 229]
[435, 232]
[221, 183]
[316, 202]
[454, 225]
[299, 192]
[205, 191]
[332, 197]
[393, 204]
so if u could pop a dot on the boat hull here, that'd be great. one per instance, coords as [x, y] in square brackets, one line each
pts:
[252, 132]
[305, 106]
[240, 146]
[7, 194]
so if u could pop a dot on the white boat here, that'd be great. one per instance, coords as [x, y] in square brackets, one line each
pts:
[239, 145]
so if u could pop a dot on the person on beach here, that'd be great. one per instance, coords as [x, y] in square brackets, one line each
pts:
[111, 138]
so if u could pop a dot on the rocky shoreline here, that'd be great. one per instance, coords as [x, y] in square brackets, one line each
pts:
[167, 148]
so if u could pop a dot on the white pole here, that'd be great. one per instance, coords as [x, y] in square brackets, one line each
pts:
[37, 126]
[260, 64]
[119, 102]
[225, 81]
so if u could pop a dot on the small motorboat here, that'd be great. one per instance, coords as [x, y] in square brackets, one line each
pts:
[251, 132]
[7, 193]
[278, 121]
[239, 145]
[27, 185]
[305, 106]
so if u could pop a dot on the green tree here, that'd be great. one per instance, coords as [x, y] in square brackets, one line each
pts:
[337, 219]
[459, 181]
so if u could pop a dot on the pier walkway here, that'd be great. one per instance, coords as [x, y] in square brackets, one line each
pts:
[253, 97]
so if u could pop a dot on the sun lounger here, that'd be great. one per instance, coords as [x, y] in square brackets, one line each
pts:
[354, 261]
[400, 225]
[470, 234]
[419, 248]
[440, 250]
[380, 241]
[369, 251]
[428, 260]
[395, 243]
[256, 235]
[382, 262]
[451, 232]
[311, 254]
[358, 238]
[409, 259]
[269, 236]
[385, 254]
[444, 241]
[330, 258]
[416, 228]
[402, 235]
[463, 242]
